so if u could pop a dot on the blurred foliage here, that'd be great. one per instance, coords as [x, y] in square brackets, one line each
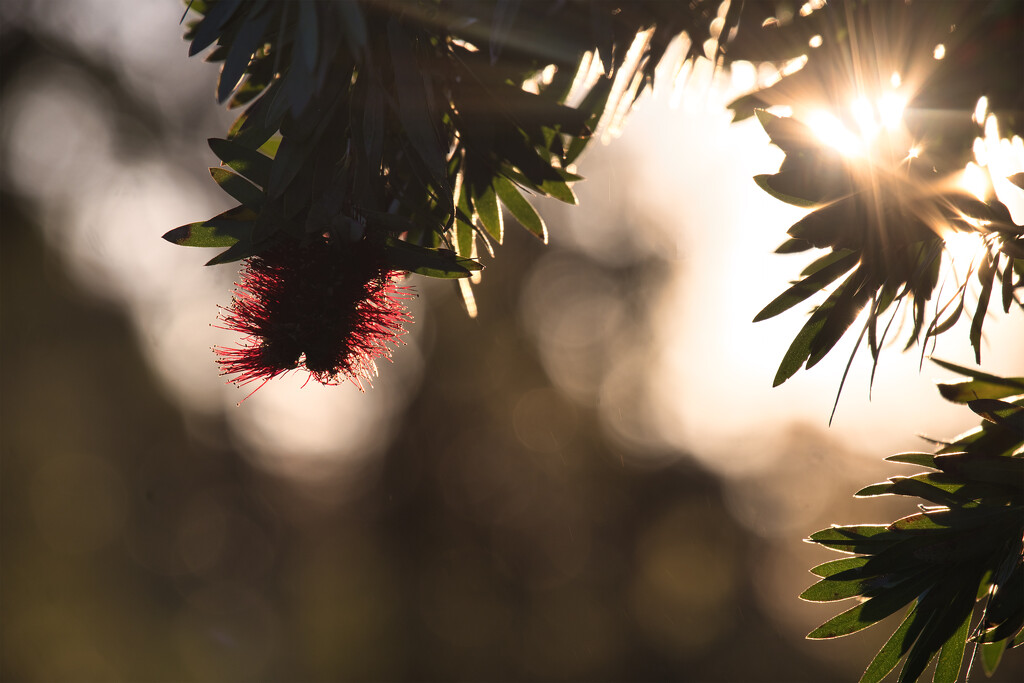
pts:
[959, 557]
[141, 544]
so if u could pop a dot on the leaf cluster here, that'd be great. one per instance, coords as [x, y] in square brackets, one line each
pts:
[960, 556]
[410, 122]
[884, 219]
[884, 231]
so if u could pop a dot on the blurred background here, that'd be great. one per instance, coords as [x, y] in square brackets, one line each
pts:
[590, 480]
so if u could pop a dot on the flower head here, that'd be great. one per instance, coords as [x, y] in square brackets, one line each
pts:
[331, 309]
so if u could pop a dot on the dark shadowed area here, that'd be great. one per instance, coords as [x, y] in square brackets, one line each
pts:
[491, 510]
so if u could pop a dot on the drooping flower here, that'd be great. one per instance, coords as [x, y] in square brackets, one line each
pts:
[330, 309]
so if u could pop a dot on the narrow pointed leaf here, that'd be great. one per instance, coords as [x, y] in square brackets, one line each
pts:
[972, 390]
[246, 161]
[992, 653]
[800, 349]
[439, 263]
[520, 208]
[1000, 412]
[986, 274]
[766, 182]
[222, 230]
[809, 286]
[486, 205]
[872, 611]
[951, 655]
[836, 566]
[1007, 285]
[921, 459]
[238, 187]
[246, 42]
[882, 489]
[947, 616]
[209, 27]
[835, 588]
[891, 653]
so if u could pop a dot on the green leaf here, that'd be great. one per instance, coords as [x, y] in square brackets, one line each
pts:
[248, 162]
[873, 610]
[999, 412]
[246, 42]
[836, 566]
[951, 656]
[254, 127]
[793, 246]
[946, 612]
[854, 295]
[439, 263]
[486, 205]
[556, 189]
[823, 261]
[884, 488]
[889, 656]
[269, 148]
[765, 182]
[986, 275]
[800, 349]
[1007, 285]
[837, 587]
[236, 252]
[786, 133]
[988, 469]
[209, 27]
[920, 521]
[920, 459]
[992, 653]
[223, 230]
[238, 187]
[414, 111]
[951, 319]
[971, 390]
[810, 285]
[867, 538]
[520, 208]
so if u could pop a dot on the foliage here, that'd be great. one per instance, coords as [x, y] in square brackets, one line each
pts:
[962, 550]
[401, 131]
[411, 120]
[885, 209]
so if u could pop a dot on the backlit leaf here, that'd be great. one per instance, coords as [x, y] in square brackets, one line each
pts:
[520, 208]
[807, 287]
[222, 230]
[238, 187]
[894, 649]
[246, 161]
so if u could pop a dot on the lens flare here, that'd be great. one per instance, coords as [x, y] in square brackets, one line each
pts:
[834, 133]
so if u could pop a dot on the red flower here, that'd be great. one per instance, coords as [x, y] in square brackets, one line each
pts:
[330, 309]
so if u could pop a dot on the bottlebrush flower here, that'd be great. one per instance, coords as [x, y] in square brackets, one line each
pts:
[331, 309]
